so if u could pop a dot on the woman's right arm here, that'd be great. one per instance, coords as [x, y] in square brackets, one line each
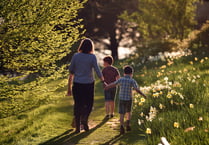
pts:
[70, 78]
[69, 90]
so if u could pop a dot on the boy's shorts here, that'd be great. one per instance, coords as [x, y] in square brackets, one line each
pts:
[110, 94]
[125, 106]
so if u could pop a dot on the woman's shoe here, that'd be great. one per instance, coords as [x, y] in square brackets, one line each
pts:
[86, 127]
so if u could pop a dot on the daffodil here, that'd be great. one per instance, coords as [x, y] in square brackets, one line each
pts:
[191, 106]
[200, 118]
[173, 92]
[202, 60]
[140, 103]
[166, 78]
[148, 131]
[161, 106]
[169, 96]
[139, 122]
[163, 66]
[191, 62]
[170, 63]
[176, 124]
[141, 114]
[142, 100]
[155, 95]
[196, 59]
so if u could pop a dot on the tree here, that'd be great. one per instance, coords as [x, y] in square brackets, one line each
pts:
[101, 20]
[163, 18]
[34, 35]
[161, 24]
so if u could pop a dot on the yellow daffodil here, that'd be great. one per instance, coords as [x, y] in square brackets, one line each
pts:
[163, 66]
[148, 131]
[202, 60]
[161, 106]
[191, 62]
[191, 106]
[142, 100]
[176, 124]
[170, 63]
[169, 96]
[140, 103]
[141, 114]
[196, 59]
[155, 95]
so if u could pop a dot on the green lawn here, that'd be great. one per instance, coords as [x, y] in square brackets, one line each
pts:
[49, 121]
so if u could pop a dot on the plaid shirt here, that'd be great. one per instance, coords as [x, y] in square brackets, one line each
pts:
[126, 84]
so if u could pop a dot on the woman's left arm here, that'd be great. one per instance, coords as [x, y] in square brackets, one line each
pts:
[97, 69]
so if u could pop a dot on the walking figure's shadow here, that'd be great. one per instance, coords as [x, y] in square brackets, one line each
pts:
[70, 137]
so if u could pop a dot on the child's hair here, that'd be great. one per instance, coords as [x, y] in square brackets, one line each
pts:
[108, 59]
[128, 69]
[86, 46]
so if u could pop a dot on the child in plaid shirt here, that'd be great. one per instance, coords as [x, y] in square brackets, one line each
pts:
[126, 83]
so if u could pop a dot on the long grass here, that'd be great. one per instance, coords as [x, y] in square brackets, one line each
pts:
[177, 107]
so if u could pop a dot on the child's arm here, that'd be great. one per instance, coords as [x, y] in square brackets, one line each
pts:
[140, 92]
[110, 86]
[117, 77]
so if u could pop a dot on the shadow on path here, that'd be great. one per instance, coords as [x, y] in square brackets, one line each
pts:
[113, 140]
[70, 137]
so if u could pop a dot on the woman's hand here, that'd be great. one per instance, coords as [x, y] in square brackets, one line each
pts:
[69, 93]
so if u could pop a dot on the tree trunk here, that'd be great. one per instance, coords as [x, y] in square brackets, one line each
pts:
[114, 45]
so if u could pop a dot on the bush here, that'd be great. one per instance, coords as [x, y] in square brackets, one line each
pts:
[199, 43]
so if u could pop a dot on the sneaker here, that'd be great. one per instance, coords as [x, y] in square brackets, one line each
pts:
[128, 128]
[77, 131]
[111, 116]
[122, 130]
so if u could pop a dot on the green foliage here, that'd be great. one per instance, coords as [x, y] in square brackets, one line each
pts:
[199, 40]
[153, 47]
[163, 18]
[34, 37]
[35, 34]
[19, 96]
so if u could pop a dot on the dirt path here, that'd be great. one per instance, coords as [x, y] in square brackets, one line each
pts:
[101, 132]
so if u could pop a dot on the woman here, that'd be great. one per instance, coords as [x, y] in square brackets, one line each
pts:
[81, 72]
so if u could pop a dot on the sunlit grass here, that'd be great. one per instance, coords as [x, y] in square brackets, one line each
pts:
[177, 105]
[177, 108]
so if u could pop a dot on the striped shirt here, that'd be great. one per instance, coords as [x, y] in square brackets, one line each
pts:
[126, 84]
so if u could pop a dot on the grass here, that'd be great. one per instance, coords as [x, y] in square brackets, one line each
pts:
[47, 113]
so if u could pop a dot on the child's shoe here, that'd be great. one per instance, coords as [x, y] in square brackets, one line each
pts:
[128, 128]
[111, 116]
[122, 130]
